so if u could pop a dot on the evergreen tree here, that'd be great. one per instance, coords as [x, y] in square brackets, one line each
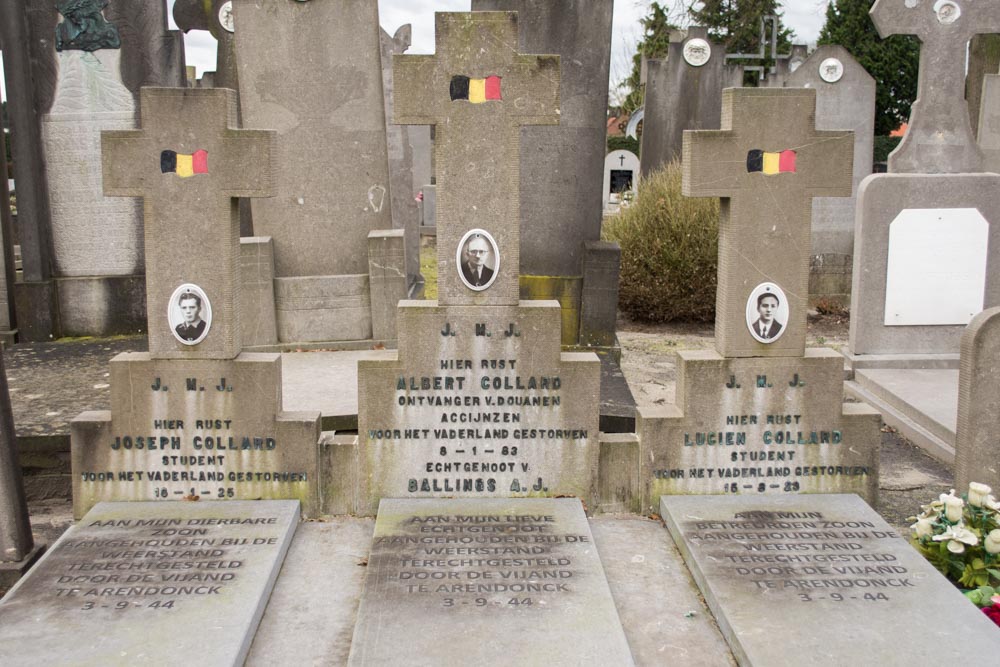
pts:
[736, 24]
[654, 44]
[892, 62]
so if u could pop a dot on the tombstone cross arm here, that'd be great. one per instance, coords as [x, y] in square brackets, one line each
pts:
[955, 20]
[414, 102]
[892, 17]
[701, 175]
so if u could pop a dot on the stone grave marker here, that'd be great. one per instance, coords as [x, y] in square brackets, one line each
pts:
[405, 213]
[150, 583]
[939, 139]
[989, 123]
[562, 256]
[451, 564]
[479, 401]
[683, 92]
[193, 417]
[312, 71]
[822, 577]
[977, 457]
[97, 242]
[621, 178]
[845, 100]
[761, 414]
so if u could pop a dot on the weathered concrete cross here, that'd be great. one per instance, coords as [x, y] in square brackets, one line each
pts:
[767, 163]
[478, 91]
[192, 230]
[939, 139]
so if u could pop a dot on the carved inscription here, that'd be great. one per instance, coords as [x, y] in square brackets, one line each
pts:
[806, 556]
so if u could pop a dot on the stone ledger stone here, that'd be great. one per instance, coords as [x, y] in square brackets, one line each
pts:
[888, 200]
[976, 451]
[823, 577]
[198, 579]
[551, 606]
[682, 96]
[311, 71]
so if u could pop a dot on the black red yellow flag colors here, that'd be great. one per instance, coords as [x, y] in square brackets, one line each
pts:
[184, 165]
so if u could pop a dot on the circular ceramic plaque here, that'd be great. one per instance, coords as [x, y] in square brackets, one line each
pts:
[478, 259]
[831, 70]
[947, 11]
[226, 16]
[697, 52]
[767, 313]
[189, 314]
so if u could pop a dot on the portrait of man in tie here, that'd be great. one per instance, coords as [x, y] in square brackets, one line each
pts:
[190, 314]
[478, 259]
[767, 312]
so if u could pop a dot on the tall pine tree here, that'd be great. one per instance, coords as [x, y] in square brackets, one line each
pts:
[892, 62]
[655, 42]
[736, 24]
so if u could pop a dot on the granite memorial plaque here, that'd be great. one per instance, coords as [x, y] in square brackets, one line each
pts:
[761, 414]
[194, 417]
[150, 583]
[823, 580]
[486, 582]
[479, 400]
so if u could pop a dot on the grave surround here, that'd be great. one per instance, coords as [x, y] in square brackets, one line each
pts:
[152, 583]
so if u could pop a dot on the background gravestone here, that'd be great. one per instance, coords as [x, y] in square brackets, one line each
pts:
[194, 417]
[312, 71]
[405, 213]
[621, 178]
[977, 457]
[478, 401]
[683, 92]
[845, 100]
[761, 414]
[989, 123]
[561, 167]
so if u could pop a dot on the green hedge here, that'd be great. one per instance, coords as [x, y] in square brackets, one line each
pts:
[883, 146]
[669, 251]
[623, 143]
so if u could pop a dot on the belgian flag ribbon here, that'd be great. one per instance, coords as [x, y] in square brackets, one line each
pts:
[184, 166]
[475, 91]
[771, 163]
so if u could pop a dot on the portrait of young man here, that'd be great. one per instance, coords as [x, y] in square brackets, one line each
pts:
[192, 327]
[767, 327]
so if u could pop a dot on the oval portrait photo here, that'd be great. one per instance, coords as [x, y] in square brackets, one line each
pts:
[478, 259]
[767, 312]
[189, 314]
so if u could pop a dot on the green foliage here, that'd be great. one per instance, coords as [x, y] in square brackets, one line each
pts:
[892, 62]
[883, 146]
[655, 42]
[736, 23]
[669, 249]
[623, 143]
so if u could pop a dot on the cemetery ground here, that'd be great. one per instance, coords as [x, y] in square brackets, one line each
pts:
[50, 383]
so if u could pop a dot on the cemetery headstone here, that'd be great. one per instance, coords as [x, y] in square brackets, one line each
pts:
[312, 71]
[153, 583]
[561, 166]
[845, 100]
[826, 575]
[16, 540]
[939, 139]
[553, 602]
[7, 242]
[193, 417]
[989, 123]
[405, 213]
[478, 401]
[976, 451]
[761, 414]
[91, 235]
[984, 60]
[683, 92]
[621, 178]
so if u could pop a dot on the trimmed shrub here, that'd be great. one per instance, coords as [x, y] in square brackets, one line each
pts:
[623, 143]
[669, 251]
[883, 146]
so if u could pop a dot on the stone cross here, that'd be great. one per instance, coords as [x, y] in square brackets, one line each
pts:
[477, 145]
[191, 217]
[939, 139]
[767, 163]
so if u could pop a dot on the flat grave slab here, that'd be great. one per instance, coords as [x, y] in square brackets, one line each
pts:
[821, 576]
[150, 583]
[486, 581]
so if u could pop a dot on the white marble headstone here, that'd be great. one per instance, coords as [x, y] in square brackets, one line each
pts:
[621, 167]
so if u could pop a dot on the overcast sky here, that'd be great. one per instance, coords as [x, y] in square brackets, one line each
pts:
[804, 16]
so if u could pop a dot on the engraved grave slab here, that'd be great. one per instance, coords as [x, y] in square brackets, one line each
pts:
[486, 582]
[822, 577]
[150, 583]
